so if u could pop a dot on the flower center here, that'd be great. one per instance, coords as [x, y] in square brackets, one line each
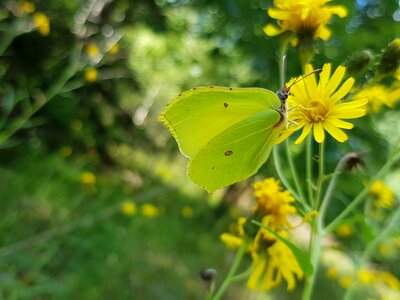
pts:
[316, 112]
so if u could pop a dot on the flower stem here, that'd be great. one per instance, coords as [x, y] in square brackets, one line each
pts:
[315, 253]
[281, 175]
[309, 169]
[230, 277]
[292, 166]
[320, 175]
[357, 200]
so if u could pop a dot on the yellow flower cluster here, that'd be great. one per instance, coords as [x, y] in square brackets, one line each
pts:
[379, 95]
[307, 19]
[272, 260]
[91, 75]
[319, 107]
[384, 196]
[274, 202]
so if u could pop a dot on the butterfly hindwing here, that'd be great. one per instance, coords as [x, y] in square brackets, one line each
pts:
[236, 153]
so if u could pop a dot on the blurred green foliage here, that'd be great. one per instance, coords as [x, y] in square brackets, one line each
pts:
[55, 126]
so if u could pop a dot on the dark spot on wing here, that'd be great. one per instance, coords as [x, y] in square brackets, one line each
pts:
[211, 87]
[213, 168]
[228, 153]
[179, 95]
[230, 89]
[226, 104]
[193, 89]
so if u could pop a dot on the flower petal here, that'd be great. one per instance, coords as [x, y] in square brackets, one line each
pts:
[343, 90]
[319, 134]
[304, 133]
[339, 10]
[324, 33]
[271, 30]
[323, 79]
[335, 80]
[335, 132]
[339, 123]
[279, 14]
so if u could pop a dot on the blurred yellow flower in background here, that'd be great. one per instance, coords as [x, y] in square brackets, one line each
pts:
[378, 96]
[383, 194]
[187, 211]
[345, 230]
[42, 23]
[345, 281]
[88, 178]
[114, 49]
[128, 208]
[27, 7]
[150, 211]
[307, 19]
[320, 107]
[332, 273]
[91, 50]
[91, 75]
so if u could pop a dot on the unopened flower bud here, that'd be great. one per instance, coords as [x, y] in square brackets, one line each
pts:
[390, 58]
[208, 274]
[358, 62]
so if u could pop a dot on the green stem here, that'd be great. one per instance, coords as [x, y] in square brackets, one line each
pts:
[292, 166]
[52, 91]
[357, 200]
[332, 184]
[315, 253]
[309, 169]
[372, 246]
[231, 274]
[320, 175]
[281, 175]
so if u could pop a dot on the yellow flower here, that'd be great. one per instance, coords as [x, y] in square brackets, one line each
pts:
[366, 276]
[234, 239]
[345, 281]
[114, 49]
[128, 208]
[345, 230]
[311, 215]
[319, 107]
[42, 23]
[27, 7]
[88, 178]
[305, 18]
[390, 280]
[150, 211]
[269, 270]
[332, 273]
[274, 202]
[379, 95]
[91, 75]
[91, 50]
[384, 196]
[187, 212]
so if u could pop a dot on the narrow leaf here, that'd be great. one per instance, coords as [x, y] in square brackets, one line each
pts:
[302, 259]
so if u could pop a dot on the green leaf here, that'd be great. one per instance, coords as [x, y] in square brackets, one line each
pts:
[302, 259]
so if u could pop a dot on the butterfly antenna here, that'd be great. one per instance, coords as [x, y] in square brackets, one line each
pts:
[316, 71]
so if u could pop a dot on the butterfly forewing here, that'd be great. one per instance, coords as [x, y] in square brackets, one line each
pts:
[197, 116]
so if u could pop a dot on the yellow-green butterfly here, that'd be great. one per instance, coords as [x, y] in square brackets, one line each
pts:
[227, 133]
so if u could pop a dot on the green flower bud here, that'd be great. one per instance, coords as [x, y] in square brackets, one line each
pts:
[390, 58]
[358, 62]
